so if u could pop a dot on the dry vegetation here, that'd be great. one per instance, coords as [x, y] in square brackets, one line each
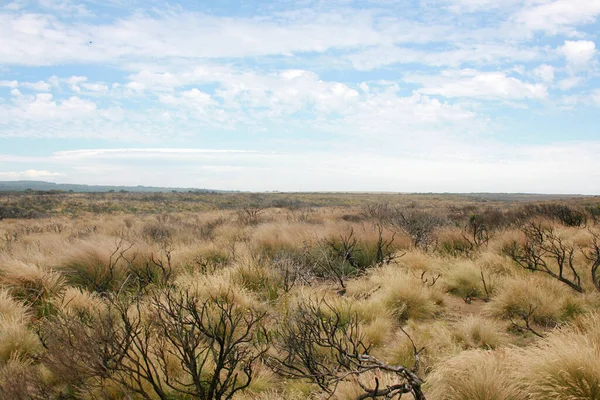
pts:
[281, 296]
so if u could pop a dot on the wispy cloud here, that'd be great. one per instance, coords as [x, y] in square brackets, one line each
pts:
[29, 174]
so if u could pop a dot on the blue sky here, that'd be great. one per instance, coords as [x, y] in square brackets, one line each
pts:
[374, 95]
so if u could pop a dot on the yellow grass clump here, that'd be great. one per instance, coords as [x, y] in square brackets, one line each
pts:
[463, 279]
[565, 365]
[478, 332]
[546, 301]
[11, 309]
[474, 375]
[396, 291]
[31, 283]
[16, 340]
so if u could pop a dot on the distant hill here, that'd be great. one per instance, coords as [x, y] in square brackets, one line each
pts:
[21, 186]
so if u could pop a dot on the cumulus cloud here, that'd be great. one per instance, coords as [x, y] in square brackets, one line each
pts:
[43, 106]
[39, 86]
[95, 87]
[544, 73]
[579, 54]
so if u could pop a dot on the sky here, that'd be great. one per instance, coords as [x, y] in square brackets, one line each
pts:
[335, 95]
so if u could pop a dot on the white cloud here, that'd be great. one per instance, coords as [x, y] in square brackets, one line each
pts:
[36, 39]
[468, 6]
[43, 106]
[193, 98]
[478, 54]
[95, 87]
[135, 86]
[39, 86]
[148, 153]
[471, 83]
[242, 100]
[570, 82]
[544, 73]
[579, 54]
[9, 84]
[15, 5]
[66, 7]
[486, 167]
[556, 16]
[595, 97]
[75, 81]
[28, 174]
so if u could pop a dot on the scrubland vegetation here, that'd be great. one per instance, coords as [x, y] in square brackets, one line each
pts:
[239, 296]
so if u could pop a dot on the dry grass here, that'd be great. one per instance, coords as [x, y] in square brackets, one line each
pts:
[16, 341]
[62, 266]
[547, 301]
[474, 375]
[463, 279]
[479, 332]
[565, 365]
[11, 309]
[32, 284]
[394, 290]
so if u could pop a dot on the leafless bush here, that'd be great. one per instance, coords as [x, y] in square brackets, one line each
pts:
[324, 345]
[381, 212]
[291, 272]
[544, 251]
[345, 256]
[22, 381]
[301, 214]
[418, 225]
[562, 213]
[592, 254]
[527, 318]
[249, 215]
[180, 345]
[157, 231]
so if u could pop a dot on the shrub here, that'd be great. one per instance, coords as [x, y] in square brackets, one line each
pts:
[157, 232]
[174, 345]
[20, 380]
[418, 225]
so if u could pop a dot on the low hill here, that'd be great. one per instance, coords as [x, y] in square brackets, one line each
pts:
[21, 186]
